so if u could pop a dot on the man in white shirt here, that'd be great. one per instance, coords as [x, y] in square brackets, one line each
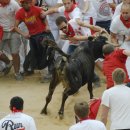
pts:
[8, 9]
[51, 4]
[69, 9]
[17, 119]
[72, 31]
[120, 31]
[81, 110]
[89, 13]
[104, 13]
[118, 8]
[117, 100]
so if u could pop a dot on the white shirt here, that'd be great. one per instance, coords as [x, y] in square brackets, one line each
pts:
[7, 15]
[118, 28]
[117, 10]
[117, 99]
[91, 12]
[15, 121]
[76, 13]
[103, 10]
[88, 125]
[79, 30]
[51, 3]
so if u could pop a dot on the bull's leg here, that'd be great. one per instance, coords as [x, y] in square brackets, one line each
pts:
[67, 92]
[90, 89]
[54, 82]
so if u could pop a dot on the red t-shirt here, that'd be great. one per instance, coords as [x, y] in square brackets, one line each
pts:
[31, 19]
[112, 61]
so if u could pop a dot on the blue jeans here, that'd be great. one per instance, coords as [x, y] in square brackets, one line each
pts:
[104, 24]
[71, 49]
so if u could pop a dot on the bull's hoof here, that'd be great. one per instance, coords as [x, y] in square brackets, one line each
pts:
[43, 112]
[61, 115]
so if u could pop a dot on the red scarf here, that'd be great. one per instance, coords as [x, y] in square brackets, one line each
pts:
[125, 22]
[70, 32]
[94, 107]
[82, 119]
[14, 110]
[1, 32]
[66, 12]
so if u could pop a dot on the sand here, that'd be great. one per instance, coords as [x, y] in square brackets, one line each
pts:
[33, 92]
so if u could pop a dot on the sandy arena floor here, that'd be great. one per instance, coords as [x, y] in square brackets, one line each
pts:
[34, 93]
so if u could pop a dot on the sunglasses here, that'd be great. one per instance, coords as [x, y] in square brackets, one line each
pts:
[65, 27]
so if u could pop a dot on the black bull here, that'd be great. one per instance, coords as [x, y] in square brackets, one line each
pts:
[75, 70]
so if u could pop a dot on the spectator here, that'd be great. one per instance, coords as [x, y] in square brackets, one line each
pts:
[17, 119]
[104, 13]
[8, 9]
[114, 58]
[118, 8]
[81, 110]
[51, 4]
[69, 9]
[33, 17]
[89, 13]
[120, 31]
[117, 100]
[75, 31]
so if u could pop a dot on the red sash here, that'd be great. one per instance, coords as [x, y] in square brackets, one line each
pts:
[70, 32]
[66, 12]
[1, 32]
[125, 22]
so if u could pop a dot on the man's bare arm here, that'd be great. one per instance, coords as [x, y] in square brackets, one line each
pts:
[114, 39]
[17, 22]
[104, 113]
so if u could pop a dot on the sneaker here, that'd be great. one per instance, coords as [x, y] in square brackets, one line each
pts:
[46, 79]
[7, 70]
[19, 77]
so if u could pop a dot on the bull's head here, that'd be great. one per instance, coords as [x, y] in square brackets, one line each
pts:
[53, 44]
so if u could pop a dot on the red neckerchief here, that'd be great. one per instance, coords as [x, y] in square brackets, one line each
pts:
[82, 119]
[14, 110]
[125, 22]
[1, 32]
[66, 12]
[70, 32]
